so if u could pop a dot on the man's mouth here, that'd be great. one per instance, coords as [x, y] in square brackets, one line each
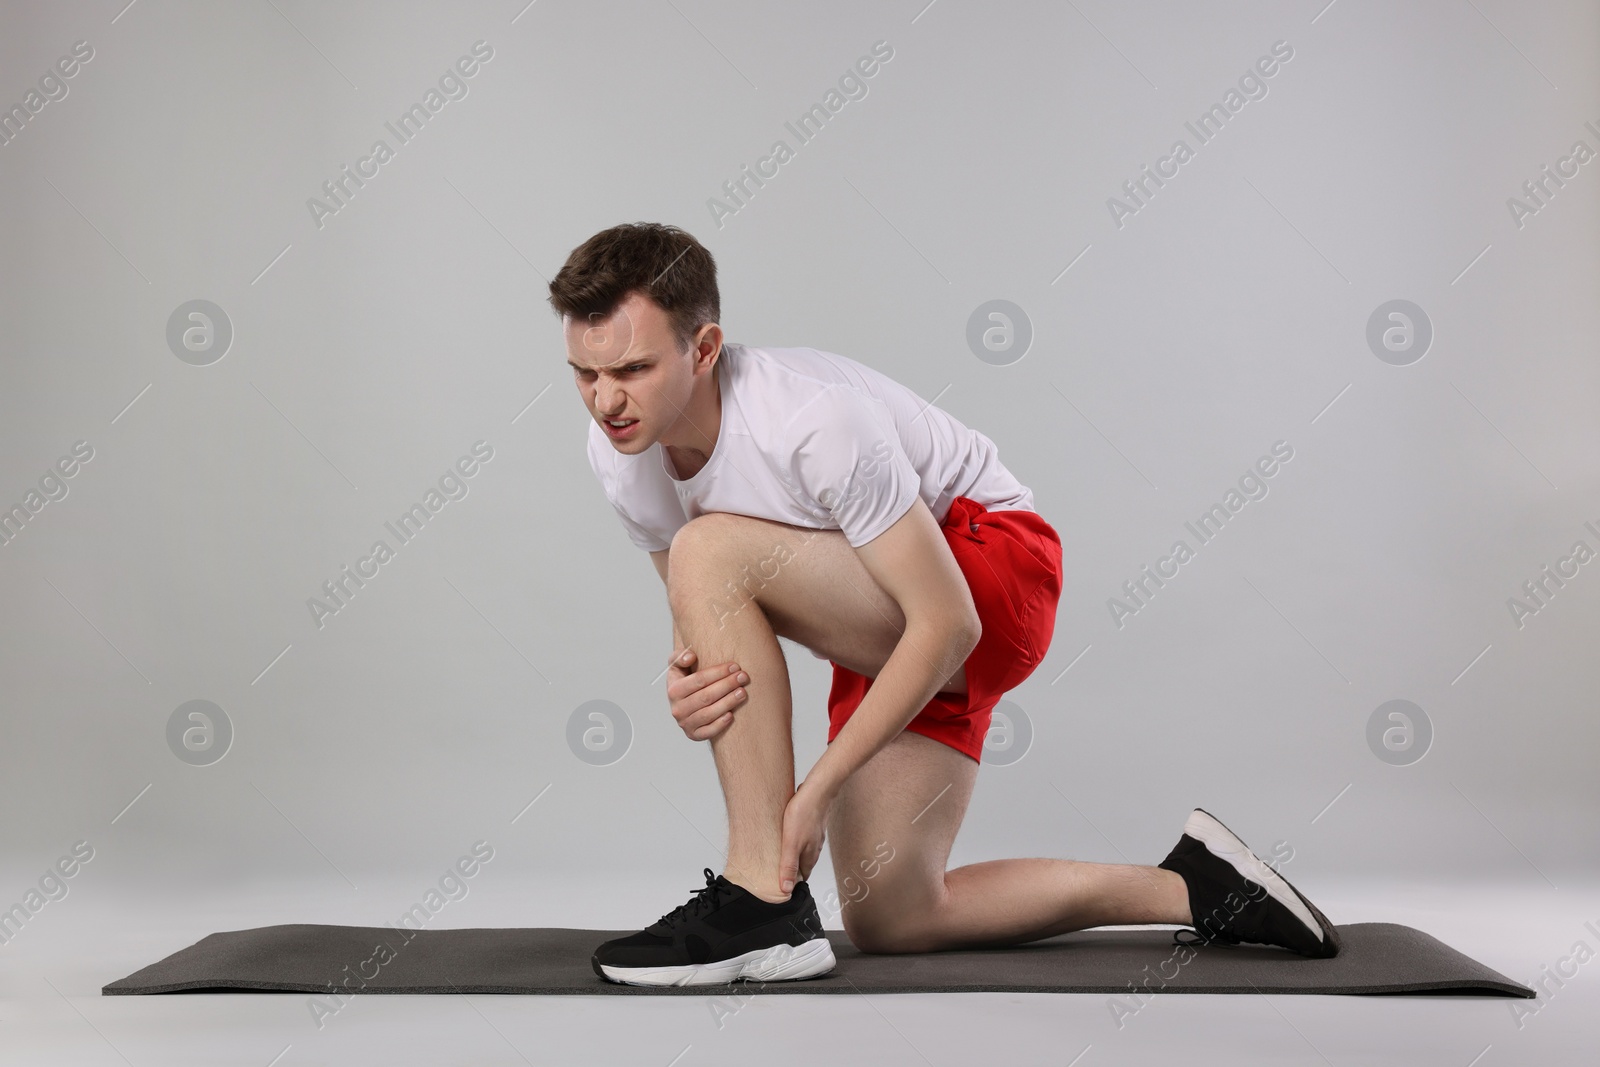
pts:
[620, 427]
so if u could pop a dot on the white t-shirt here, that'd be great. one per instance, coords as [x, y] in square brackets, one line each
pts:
[812, 439]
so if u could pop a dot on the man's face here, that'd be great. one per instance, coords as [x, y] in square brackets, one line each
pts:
[630, 365]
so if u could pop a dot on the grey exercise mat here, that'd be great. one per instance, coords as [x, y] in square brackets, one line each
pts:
[1377, 958]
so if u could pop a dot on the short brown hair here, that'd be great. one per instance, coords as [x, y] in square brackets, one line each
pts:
[663, 262]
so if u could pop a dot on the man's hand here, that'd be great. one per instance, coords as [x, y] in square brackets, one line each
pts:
[703, 702]
[805, 824]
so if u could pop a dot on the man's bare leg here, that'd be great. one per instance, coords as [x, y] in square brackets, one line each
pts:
[907, 803]
[823, 597]
[755, 754]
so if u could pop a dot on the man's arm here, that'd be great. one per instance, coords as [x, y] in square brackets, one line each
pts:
[913, 563]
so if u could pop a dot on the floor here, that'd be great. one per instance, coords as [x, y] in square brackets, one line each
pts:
[51, 1011]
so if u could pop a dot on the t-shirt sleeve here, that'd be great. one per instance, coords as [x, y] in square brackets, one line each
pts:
[638, 534]
[846, 463]
[603, 462]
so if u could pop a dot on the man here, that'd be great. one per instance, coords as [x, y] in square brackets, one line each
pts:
[797, 493]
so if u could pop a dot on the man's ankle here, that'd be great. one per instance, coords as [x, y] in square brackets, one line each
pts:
[1177, 898]
[766, 889]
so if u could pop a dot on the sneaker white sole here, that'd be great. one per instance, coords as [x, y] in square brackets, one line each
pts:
[1225, 845]
[780, 963]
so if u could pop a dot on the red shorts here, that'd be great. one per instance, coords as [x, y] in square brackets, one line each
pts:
[1012, 562]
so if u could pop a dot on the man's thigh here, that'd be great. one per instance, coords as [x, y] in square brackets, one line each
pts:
[809, 583]
[890, 831]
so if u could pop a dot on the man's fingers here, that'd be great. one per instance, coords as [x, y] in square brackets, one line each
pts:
[710, 675]
[697, 679]
[789, 869]
[707, 693]
[812, 855]
[712, 683]
[689, 684]
[712, 712]
[715, 729]
[703, 702]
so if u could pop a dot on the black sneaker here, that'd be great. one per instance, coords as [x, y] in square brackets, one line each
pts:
[722, 934]
[1234, 896]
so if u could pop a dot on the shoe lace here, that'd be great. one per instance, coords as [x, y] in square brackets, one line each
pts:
[1220, 937]
[705, 899]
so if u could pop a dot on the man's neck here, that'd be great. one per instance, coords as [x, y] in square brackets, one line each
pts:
[703, 424]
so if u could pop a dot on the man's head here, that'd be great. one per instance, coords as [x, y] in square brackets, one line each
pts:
[639, 309]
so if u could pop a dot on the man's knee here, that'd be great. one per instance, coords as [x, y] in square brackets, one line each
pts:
[877, 932]
[723, 552]
[707, 568]
[705, 535]
[702, 549]
[884, 914]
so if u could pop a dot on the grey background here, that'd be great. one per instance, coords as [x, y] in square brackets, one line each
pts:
[369, 354]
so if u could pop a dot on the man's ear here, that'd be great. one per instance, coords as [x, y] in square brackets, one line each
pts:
[710, 333]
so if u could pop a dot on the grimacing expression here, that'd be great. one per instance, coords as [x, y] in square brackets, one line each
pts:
[630, 365]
